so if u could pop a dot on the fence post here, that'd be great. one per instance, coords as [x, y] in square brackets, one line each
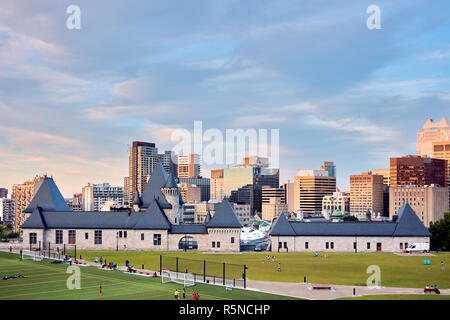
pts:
[245, 276]
[204, 271]
[49, 248]
[177, 264]
[39, 245]
[224, 273]
[75, 252]
[64, 253]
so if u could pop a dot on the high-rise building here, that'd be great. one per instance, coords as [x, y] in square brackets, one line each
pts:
[142, 160]
[216, 186]
[273, 203]
[289, 195]
[22, 194]
[169, 165]
[6, 210]
[188, 166]
[3, 193]
[441, 150]
[366, 194]
[190, 192]
[428, 202]
[95, 195]
[256, 161]
[329, 167]
[310, 186]
[419, 171]
[386, 173]
[76, 203]
[432, 132]
[203, 183]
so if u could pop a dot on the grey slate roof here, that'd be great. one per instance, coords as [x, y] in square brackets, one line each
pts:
[137, 199]
[48, 198]
[189, 228]
[170, 183]
[408, 224]
[152, 190]
[224, 217]
[153, 218]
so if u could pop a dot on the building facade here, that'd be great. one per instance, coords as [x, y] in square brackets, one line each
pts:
[95, 195]
[366, 194]
[428, 202]
[432, 132]
[310, 186]
[153, 224]
[338, 201]
[3, 193]
[217, 192]
[188, 166]
[6, 210]
[370, 236]
[22, 194]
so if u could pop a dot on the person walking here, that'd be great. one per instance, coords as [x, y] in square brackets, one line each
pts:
[100, 288]
[184, 293]
[176, 294]
[101, 260]
[279, 266]
[442, 266]
[96, 259]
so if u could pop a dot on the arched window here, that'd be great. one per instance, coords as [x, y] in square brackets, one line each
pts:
[187, 243]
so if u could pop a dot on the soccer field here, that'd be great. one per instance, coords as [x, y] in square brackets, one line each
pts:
[337, 268]
[47, 281]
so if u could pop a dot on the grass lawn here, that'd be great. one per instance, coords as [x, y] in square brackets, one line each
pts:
[47, 281]
[338, 268]
[401, 297]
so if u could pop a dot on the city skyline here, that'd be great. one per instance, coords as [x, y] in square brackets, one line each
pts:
[88, 93]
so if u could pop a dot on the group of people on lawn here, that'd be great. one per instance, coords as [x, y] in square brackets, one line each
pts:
[436, 290]
[273, 260]
[111, 265]
[194, 294]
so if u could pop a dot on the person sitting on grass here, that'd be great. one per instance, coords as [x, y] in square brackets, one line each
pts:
[436, 289]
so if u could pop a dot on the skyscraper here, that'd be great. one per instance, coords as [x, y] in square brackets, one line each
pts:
[188, 166]
[3, 193]
[95, 195]
[169, 165]
[366, 194]
[22, 194]
[329, 167]
[143, 158]
[216, 185]
[441, 150]
[432, 132]
[310, 186]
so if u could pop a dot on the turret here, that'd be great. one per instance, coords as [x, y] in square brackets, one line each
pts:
[172, 194]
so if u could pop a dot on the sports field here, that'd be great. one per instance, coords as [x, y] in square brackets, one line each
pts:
[337, 268]
[400, 297]
[48, 281]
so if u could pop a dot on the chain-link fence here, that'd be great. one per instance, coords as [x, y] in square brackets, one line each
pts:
[212, 272]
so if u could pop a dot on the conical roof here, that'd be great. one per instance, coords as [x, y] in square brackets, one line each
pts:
[35, 220]
[282, 227]
[137, 199]
[153, 219]
[408, 223]
[48, 198]
[171, 183]
[224, 217]
[153, 188]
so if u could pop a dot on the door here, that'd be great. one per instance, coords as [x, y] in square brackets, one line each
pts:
[378, 246]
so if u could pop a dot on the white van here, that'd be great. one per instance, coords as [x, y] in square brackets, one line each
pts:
[419, 247]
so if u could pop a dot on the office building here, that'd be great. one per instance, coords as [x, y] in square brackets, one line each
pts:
[386, 173]
[203, 183]
[441, 150]
[428, 202]
[419, 171]
[256, 161]
[76, 203]
[310, 186]
[167, 160]
[22, 194]
[338, 203]
[188, 166]
[3, 193]
[142, 160]
[6, 210]
[289, 195]
[366, 194]
[190, 192]
[216, 186]
[95, 195]
[432, 132]
[243, 212]
[329, 167]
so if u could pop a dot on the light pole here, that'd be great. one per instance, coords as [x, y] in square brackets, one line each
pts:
[117, 242]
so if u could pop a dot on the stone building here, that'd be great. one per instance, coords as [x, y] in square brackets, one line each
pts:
[153, 224]
[368, 236]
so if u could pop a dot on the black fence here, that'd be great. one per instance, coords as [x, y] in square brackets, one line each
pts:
[220, 273]
[53, 251]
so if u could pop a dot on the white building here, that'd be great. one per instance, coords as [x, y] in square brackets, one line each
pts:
[95, 195]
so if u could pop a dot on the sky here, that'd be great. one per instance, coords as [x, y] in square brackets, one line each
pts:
[72, 101]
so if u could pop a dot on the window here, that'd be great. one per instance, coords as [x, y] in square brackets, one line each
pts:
[327, 245]
[86, 235]
[368, 245]
[406, 245]
[232, 239]
[285, 245]
[218, 244]
[354, 245]
[187, 243]
[332, 245]
[306, 245]
[98, 237]
[120, 234]
[157, 239]
[401, 245]
[279, 245]
[33, 238]
[124, 234]
[58, 236]
[72, 237]
[142, 236]
[213, 244]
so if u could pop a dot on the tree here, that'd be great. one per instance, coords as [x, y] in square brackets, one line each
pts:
[349, 218]
[440, 233]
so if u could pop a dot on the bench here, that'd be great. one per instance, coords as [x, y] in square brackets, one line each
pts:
[319, 287]
[429, 290]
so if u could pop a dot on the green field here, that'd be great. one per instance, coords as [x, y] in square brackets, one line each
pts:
[337, 268]
[47, 281]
